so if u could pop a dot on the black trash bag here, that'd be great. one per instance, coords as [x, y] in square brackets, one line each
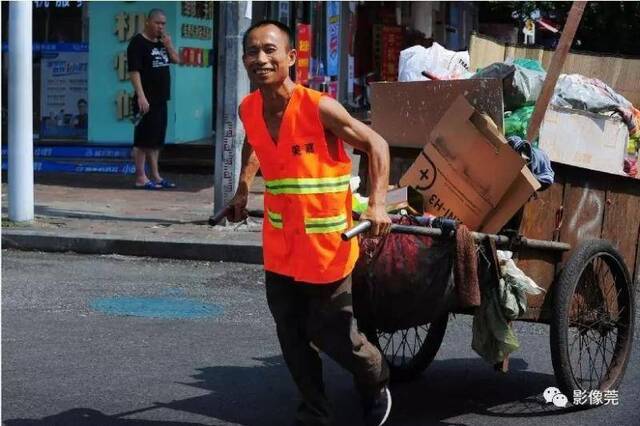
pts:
[520, 85]
[505, 73]
[402, 281]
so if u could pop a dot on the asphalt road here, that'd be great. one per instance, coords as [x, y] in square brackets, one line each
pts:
[66, 362]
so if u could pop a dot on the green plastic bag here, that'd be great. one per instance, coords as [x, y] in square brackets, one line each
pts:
[634, 144]
[517, 122]
[530, 64]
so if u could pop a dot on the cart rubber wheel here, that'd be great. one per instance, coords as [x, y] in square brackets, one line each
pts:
[592, 320]
[409, 352]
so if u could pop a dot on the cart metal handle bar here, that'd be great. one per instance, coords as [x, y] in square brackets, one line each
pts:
[500, 240]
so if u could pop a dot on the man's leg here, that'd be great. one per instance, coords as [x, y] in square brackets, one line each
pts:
[288, 306]
[333, 329]
[152, 157]
[139, 160]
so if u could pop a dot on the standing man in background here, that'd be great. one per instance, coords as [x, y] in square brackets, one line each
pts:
[148, 56]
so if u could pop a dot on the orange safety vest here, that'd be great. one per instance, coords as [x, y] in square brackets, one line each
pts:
[307, 199]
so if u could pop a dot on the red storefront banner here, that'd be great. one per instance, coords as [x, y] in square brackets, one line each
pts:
[391, 46]
[304, 53]
[333, 89]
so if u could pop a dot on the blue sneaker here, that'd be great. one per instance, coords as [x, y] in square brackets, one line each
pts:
[376, 411]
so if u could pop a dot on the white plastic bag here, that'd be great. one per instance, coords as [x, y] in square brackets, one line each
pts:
[514, 275]
[514, 287]
[436, 60]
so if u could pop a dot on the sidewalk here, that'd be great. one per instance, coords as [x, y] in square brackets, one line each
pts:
[104, 214]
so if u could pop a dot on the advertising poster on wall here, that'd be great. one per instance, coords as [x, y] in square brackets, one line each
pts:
[304, 53]
[333, 37]
[391, 47]
[64, 95]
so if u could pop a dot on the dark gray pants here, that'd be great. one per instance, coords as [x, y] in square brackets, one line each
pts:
[323, 315]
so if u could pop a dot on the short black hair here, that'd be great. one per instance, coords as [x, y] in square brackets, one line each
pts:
[82, 101]
[154, 12]
[284, 28]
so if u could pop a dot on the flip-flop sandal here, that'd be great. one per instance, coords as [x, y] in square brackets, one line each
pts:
[148, 186]
[166, 184]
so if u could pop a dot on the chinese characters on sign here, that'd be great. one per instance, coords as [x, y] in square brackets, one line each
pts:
[124, 104]
[199, 32]
[391, 46]
[227, 158]
[197, 9]
[304, 53]
[120, 65]
[58, 4]
[128, 24]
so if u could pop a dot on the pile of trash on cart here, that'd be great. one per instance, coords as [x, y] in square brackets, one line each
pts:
[588, 123]
[465, 164]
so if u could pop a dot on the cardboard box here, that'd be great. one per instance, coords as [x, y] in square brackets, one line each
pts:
[516, 196]
[584, 139]
[405, 113]
[466, 168]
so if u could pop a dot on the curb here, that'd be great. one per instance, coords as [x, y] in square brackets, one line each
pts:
[228, 251]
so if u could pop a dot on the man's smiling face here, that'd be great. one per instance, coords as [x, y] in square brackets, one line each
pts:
[268, 56]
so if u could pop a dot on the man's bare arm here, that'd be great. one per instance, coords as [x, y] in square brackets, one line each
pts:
[339, 122]
[173, 55]
[248, 169]
[174, 58]
[136, 82]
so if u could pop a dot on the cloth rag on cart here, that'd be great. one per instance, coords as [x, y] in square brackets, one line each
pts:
[402, 281]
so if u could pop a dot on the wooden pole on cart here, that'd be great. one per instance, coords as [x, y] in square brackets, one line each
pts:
[557, 61]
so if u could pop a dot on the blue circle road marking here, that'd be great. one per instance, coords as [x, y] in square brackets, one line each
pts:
[156, 307]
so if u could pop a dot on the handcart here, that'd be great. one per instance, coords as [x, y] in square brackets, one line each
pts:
[589, 305]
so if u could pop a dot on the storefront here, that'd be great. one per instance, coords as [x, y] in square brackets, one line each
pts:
[81, 89]
[60, 51]
[82, 92]
[113, 24]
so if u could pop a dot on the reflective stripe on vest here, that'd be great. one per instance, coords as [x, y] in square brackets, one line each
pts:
[308, 185]
[275, 219]
[321, 225]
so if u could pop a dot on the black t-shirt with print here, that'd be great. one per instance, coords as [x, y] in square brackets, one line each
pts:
[151, 60]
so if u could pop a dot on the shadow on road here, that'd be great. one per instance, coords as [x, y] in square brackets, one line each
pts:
[87, 417]
[461, 387]
[264, 395]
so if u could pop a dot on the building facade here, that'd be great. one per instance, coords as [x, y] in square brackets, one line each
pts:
[82, 93]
